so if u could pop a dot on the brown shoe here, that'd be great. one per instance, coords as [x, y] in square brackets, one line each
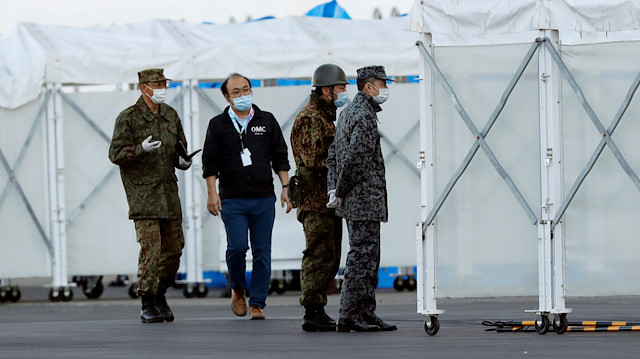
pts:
[239, 302]
[256, 312]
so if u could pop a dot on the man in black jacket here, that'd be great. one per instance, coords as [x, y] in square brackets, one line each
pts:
[242, 145]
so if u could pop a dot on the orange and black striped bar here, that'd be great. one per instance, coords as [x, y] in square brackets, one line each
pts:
[626, 328]
[588, 323]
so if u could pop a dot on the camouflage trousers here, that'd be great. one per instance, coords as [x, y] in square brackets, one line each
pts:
[321, 258]
[358, 299]
[161, 242]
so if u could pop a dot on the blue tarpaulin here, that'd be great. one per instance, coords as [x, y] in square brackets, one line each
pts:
[330, 9]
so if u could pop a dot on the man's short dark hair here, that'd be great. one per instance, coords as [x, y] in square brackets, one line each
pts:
[362, 82]
[223, 87]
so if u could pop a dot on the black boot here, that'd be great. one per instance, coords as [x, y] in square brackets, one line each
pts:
[149, 312]
[347, 325]
[384, 326]
[316, 320]
[163, 307]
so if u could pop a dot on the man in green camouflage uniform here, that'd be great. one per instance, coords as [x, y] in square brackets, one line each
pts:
[143, 146]
[312, 134]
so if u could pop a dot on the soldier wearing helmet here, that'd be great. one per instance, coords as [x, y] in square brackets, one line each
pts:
[312, 134]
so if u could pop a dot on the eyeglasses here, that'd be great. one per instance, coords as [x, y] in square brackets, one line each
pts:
[157, 85]
[240, 92]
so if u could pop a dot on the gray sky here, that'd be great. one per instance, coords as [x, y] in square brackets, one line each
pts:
[81, 13]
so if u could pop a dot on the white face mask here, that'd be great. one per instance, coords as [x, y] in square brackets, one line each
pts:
[158, 95]
[383, 95]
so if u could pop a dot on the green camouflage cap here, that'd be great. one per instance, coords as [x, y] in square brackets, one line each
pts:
[375, 71]
[151, 75]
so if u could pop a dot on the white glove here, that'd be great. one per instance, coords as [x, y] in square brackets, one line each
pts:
[183, 164]
[333, 200]
[150, 146]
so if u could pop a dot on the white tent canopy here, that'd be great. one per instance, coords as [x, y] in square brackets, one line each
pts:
[34, 54]
[493, 17]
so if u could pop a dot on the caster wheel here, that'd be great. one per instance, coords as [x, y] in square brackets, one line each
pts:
[14, 294]
[339, 285]
[133, 291]
[95, 292]
[542, 324]
[560, 323]
[434, 327]
[398, 284]
[188, 291]
[410, 284]
[202, 290]
[4, 295]
[66, 295]
[54, 295]
[281, 286]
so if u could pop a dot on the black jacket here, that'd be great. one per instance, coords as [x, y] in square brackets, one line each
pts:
[221, 155]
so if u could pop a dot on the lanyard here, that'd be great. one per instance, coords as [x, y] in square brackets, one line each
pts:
[240, 131]
[237, 125]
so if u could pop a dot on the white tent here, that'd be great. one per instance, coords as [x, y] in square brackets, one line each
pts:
[33, 54]
[548, 148]
[61, 199]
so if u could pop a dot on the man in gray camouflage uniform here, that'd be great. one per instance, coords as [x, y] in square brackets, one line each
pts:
[143, 146]
[357, 189]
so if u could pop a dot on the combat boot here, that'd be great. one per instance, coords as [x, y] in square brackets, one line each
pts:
[163, 307]
[149, 312]
[316, 320]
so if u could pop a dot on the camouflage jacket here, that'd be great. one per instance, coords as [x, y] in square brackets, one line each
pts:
[149, 179]
[355, 163]
[312, 134]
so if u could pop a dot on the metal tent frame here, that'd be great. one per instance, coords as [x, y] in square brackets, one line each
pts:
[551, 246]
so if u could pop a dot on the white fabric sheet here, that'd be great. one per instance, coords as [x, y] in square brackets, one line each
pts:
[293, 47]
[513, 16]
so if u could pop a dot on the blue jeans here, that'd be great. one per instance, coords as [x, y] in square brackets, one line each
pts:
[249, 219]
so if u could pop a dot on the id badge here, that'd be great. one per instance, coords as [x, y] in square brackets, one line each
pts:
[245, 155]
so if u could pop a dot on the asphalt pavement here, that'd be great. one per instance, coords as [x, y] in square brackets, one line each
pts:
[109, 327]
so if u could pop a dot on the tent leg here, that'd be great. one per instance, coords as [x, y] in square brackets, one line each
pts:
[55, 164]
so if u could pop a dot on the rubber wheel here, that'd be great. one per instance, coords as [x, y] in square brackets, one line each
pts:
[281, 286]
[434, 328]
[54, 297]
[544, 327]
[66, 295]
[202, 290]
[4, 296]
[398, 284]
[95, 292]
[560, 323]
[133, 291]
[410, 284]
[338, 284]
[188, 291]
[14, 294]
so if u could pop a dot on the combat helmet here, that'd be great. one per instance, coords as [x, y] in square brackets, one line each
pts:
[328, 75]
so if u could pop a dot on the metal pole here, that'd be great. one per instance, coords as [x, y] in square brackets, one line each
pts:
[426, 233]
[56, 187]
[195, 173]
[551, 258]
[190, 241]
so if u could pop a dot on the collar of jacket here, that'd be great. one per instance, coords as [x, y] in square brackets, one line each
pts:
[328, 109]
[148, 114]
[365, 99]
